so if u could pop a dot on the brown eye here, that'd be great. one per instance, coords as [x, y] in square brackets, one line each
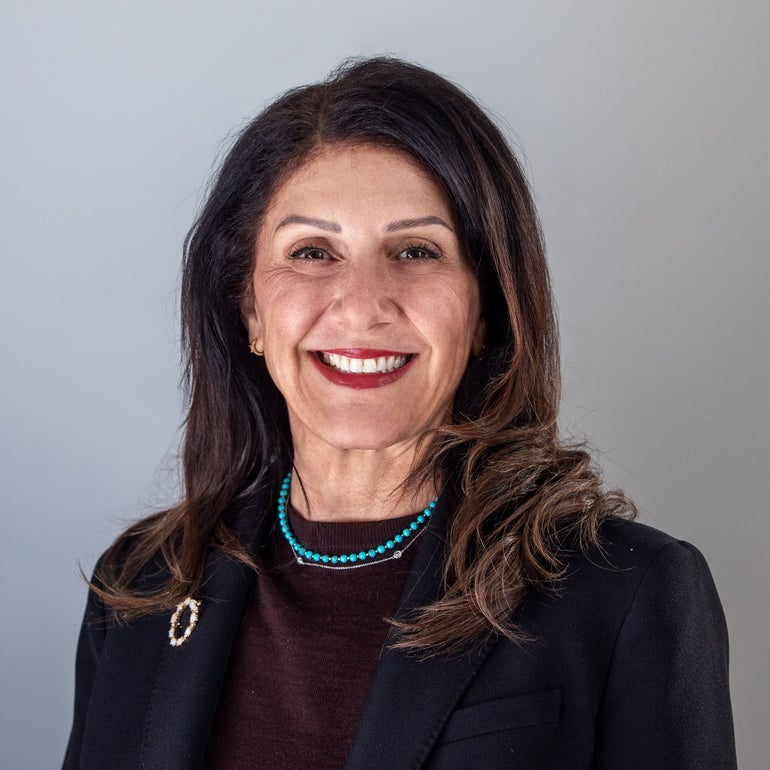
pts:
[418, 253]
[309, 252]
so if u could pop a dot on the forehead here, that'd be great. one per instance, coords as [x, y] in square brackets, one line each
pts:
[365, 179]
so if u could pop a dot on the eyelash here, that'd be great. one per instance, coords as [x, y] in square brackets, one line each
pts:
[429, 253]
[303, 251]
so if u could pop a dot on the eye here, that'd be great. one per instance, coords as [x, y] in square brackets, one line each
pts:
[309, 252]
[418, 252]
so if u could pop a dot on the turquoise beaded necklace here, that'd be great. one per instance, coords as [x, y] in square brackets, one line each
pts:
[395, 547]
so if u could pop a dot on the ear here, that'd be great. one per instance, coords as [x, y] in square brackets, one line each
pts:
[478, 338]
[250, 318]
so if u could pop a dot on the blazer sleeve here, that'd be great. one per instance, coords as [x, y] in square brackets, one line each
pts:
[666, 703]
[90, 643]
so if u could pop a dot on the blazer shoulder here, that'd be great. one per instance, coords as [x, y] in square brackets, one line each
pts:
[625, 544]
[630, 557]
[624, 532]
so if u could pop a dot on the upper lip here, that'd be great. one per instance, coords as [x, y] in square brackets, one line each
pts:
[364, 352]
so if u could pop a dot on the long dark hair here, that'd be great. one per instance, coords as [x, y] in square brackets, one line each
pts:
[520, 491]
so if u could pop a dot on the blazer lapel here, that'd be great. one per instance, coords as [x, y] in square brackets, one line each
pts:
[410, 700]
[189, 677]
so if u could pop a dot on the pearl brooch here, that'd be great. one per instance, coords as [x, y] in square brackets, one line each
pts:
[174, 637]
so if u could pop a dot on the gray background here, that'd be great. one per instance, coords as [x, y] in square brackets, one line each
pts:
[645, 128]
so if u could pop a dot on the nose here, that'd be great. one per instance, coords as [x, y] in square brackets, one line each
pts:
[365, 296]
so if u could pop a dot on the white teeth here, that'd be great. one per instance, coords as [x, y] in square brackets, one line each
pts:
[363, 365]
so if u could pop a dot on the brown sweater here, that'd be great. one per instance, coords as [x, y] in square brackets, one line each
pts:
[307, 647]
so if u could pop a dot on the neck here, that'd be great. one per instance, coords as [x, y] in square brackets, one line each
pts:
[356, 485]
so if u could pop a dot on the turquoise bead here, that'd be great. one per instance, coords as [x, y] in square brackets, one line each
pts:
[344, 558]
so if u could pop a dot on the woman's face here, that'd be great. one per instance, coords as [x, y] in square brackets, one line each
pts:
[363, 300]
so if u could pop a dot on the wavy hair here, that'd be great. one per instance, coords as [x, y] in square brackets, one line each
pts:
[521, 490]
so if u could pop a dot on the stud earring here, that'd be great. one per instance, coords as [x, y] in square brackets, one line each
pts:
[255, 349]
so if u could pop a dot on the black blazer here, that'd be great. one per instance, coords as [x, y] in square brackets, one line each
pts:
[625, 667]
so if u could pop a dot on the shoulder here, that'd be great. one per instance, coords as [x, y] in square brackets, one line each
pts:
[633, 549]
[633, 570]
[664, 575]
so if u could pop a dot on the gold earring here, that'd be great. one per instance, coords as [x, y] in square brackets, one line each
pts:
[255, 349]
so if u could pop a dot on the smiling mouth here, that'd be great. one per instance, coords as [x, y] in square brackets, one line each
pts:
[376, 365]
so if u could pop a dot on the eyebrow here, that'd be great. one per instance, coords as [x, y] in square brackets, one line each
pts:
[322, 224]
[405, 224]
[333, 227]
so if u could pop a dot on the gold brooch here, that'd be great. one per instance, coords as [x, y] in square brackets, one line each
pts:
[175, 639]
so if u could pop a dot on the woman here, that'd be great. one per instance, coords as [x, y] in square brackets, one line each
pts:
[385, 557]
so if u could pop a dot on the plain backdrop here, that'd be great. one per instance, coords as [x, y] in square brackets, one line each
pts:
[644, 128]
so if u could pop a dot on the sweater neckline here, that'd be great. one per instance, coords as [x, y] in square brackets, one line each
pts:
[344, 536]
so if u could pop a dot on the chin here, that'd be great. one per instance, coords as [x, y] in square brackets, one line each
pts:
[363, 441]
[367, 434]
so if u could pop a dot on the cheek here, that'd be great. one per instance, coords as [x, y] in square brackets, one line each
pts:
[456, 312]
[287, 314]
[272, 302]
